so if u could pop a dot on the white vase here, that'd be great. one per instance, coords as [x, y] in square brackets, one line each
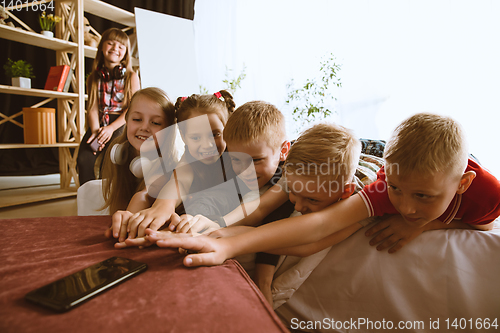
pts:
[21, 82]
[49, 34]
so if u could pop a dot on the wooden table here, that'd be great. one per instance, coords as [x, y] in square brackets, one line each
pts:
[168, 297]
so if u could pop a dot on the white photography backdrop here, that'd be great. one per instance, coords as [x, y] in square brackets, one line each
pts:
[166, 53]
[398, 57]
[167, 56]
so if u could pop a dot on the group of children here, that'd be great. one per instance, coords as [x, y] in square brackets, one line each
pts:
[239, 171]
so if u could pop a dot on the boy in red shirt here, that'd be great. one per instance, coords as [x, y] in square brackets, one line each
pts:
[428, 183]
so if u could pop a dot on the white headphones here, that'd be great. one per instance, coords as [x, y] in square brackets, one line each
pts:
[138, 166]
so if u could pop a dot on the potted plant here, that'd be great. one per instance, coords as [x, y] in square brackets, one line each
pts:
[47, 23]
[20, 71]
[231, 82]
[314, 99]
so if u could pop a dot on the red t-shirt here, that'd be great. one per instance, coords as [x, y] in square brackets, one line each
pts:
[480, 204]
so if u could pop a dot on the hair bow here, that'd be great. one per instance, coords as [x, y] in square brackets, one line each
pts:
[219, 96]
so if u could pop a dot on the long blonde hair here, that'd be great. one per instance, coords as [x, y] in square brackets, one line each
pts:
[119, 184]
[114, 34]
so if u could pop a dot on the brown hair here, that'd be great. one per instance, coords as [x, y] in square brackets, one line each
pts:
[119, 184]
[186, 106]
[94, 77]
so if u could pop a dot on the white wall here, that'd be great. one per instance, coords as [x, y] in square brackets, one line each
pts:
[166, 53]
[399, 57]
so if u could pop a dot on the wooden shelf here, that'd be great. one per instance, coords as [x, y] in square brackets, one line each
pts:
[109, 12]
[70, 106]
[90, 52]
[20, 197]
[36, 92]
[36, 39]
[34, 145]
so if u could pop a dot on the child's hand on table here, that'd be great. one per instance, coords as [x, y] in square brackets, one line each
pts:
[154, 236]
[118, 229]
[152, 218]
[188, 223]
[148, 239]
[119, 222]
[210, 251]
[393, 233]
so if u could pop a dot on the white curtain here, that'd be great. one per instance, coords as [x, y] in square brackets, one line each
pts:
[398, 57]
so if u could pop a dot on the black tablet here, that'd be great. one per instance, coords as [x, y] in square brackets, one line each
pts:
[72, 290]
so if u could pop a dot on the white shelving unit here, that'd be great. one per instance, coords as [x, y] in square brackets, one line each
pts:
[70, 50]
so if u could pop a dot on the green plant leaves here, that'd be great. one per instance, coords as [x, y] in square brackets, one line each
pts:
[19, 68]
[310, 101]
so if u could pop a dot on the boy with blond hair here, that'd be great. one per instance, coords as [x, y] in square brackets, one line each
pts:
[255, 136]
[319, 171]
[327, 155]
[256, 142]
[428, 180]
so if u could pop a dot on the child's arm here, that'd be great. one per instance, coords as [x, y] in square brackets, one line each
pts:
[260, 208]
[483, 227]
[285, 233]
[164, 206]
[139, 201]
[230, 231]
[309, 249]
[264, 273]
[396, 233]
[154, 217]
[263, 278]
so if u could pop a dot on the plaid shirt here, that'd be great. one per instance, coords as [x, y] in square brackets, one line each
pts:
[111, 97]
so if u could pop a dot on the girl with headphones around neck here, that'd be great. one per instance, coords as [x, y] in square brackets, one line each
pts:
[201, 120]
[124, 169]
[110, 86]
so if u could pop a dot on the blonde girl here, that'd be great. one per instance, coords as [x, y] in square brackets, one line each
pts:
[198, 169]
[110, 86]
[123, 186]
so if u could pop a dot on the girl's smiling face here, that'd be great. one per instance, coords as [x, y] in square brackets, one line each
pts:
[145, 118]
[113, 52]
[203, 137]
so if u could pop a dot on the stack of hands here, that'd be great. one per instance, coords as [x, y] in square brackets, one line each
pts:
[142, 230]
[200, 235]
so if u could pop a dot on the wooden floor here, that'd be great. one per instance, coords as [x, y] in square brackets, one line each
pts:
[29, 186]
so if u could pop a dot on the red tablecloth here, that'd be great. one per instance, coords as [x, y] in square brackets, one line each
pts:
[168, 297]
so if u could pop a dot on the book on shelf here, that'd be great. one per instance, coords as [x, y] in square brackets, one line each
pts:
[57, 78]
[68, 81]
